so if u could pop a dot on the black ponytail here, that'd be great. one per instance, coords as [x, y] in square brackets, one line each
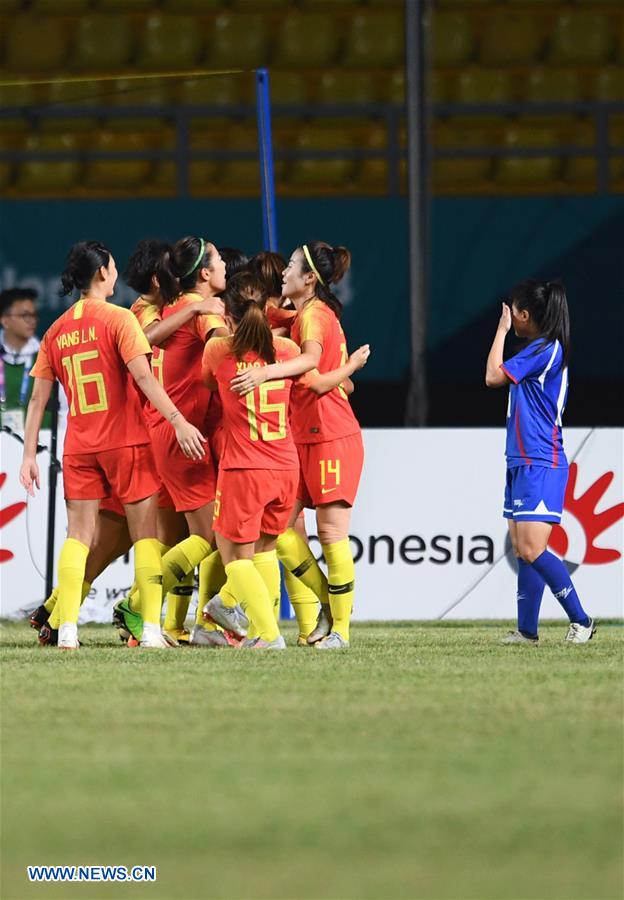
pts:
[151, 258]
[83, 261]
[189, 256]
[546, 303]
[253, 332]
[329, 264]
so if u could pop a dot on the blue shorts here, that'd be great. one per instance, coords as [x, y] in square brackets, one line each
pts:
[535, 494]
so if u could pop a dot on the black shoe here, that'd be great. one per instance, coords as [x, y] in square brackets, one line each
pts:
[39, 617]
[48, 636]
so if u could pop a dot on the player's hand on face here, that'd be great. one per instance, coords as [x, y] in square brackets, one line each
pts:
[248, 380]
[29, 476]
[190, 439]
[360, 356]
[504, 323]
[211, 307]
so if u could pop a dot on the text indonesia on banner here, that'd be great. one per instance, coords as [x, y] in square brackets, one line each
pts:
[427, 530]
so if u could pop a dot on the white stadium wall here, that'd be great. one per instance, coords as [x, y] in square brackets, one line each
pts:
[427, 529]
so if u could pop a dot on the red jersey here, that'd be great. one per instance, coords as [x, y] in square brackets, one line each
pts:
[178, 363]
[317, 418]
[257, 434]
[87, 349]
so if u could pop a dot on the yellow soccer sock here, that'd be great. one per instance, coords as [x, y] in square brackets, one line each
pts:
[55, 616]
[71, 569]
[148, 576]
[304, 602]
[178, 602]
[341, 577]
[297, 557]
[182, 559]
[267, 565]
[50, 603]
[245, 583]
[211, 577]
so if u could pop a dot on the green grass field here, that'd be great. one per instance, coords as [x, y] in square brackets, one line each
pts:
[427, 762]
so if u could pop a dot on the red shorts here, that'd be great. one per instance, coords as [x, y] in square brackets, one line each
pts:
[330, 470]
[250, 501]
[112, 504]
[190, 482]
[127, 472]
[164, 498]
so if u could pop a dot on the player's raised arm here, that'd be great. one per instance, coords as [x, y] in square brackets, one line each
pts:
[494, 375]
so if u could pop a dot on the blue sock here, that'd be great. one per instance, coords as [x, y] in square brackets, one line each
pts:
[556, 577]
[530, 591]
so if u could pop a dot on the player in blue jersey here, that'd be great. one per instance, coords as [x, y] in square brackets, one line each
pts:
[537, 468]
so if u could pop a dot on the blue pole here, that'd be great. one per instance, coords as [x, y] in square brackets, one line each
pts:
[265, 144]
[269, 221]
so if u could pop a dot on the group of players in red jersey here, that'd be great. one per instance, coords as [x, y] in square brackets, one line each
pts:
[240, 422]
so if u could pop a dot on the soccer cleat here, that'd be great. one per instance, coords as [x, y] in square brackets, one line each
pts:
[517, 637]
[181, 636]
[68, 636]
[323, 625]
[333, 641]
[259, 644]
[225, 616]
[242, 618]
[39, 617]
[156, 642]
[127, 622]
[581, 634]
[201, 637]
[302, 642]
[48, 636]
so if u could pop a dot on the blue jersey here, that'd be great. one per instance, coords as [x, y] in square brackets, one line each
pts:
[537, 397]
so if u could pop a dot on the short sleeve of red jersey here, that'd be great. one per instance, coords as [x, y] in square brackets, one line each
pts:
[42, 367]
[313, 325]
[130, 340]
[278, 317]
[146, 312]
[214, 352]
[205, 324]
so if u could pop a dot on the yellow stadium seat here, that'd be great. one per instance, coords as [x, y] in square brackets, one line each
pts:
[68, 93]
[125, 6]
[599, 3]
[373, 173]
[207, 138]
[344, 87]
[548, 85]
[237, 41]
[10, 6]
[242, 176]
[102, 44]
[386, 3]
[608, 84]
[124, 92]
[306, 39]
[44, 176]
[264, 4]
[34, 44]
[460, 173]
[451, 39]
[581, 38]
[519, 171]
[327, 5]
[510, 39]
[18, 96]
[214, 90]
[476, 85]
[469, 4]
[580, 170]
[375, 40]
[288, 87]
[322, 173]
[395, 86]
[59, 6]
[168, 38]
[118, 173]
[194, 6]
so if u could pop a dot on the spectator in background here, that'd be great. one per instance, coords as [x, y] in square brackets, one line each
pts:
[18, 350]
